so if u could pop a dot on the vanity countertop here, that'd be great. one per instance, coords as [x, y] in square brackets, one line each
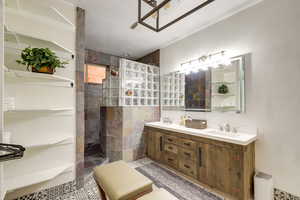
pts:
[235, 138]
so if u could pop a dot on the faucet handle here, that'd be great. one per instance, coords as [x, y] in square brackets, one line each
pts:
[227, 127]
[234, 129]
[221, 127]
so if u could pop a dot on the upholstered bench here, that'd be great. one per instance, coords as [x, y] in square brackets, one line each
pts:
[118, 181]
[160, 194]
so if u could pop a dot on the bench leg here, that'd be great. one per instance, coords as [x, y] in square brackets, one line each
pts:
[102, 193]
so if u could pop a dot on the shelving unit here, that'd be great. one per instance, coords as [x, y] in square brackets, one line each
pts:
[37, 177]
[20, 41]
[36, 109]
[41, 116]
[226, 75]
[30, 143]
[44, 9]
[30, 77]
[173, 89]
[132, 84]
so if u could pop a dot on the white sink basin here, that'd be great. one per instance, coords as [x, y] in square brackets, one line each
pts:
[236, 138]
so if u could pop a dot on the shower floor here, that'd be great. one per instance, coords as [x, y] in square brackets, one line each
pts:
[92, 161]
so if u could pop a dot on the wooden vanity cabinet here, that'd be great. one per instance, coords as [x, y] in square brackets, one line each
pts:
[227, 167]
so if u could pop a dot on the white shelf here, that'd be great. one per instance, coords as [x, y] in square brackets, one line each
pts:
[36, 109]
[59, 140]
[223, 95]
[13, 183]
[223, 82]
[22, 41]
[35, 77]
[44, 9]
[5, 69]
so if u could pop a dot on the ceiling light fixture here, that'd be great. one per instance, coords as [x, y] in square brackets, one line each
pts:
[214, 60]
[155, 13]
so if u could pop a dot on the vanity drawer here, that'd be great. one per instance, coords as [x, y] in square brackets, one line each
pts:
[189, 144]
[188, 167]
[171, 148]
[171, 139]
[171, 160]
[187, 154]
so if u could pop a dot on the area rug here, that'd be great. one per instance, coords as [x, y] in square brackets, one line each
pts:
[179, 187]
[162, 178]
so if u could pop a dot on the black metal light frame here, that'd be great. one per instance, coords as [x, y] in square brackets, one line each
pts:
[156, 9]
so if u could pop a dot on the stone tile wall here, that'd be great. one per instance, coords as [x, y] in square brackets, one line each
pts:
[92, 95]
[79, 83]
[124, 131]
[95, 130]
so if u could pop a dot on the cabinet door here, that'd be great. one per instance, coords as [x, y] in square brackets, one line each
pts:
[151, 145]
[154, 145]
[158, 146]
[225, 170]
[203, 164]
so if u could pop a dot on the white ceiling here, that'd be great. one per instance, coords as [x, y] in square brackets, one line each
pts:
[108, 25]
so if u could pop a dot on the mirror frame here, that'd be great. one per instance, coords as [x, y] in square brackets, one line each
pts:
[242, 105]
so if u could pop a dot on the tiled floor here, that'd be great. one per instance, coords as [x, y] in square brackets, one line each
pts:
[177, 185]
[162, 178]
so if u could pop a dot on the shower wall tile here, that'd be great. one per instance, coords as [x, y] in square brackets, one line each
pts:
[79, 83]
[123, 130]
[93, 94]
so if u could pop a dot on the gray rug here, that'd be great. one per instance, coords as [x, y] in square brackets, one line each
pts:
[179, 187]
[162, 178]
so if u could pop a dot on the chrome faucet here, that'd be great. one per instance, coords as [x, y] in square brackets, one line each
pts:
[188, 118]
[221, 128]
[227, 127]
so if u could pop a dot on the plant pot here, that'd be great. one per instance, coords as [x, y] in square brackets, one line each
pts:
[45, 69]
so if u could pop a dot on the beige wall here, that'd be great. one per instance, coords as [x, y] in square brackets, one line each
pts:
[270, 31]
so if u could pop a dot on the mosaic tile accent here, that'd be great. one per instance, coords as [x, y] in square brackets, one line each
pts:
[53, 193]
[282, 195]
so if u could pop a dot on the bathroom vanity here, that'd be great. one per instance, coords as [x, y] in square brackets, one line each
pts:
[224, 162]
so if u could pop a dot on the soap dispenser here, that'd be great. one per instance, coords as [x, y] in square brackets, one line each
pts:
[182, 120]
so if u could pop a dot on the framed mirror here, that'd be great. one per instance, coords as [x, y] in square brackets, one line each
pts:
[218, 89]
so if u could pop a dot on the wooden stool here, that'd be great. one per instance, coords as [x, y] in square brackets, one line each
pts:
[118, 181]
[160, 194]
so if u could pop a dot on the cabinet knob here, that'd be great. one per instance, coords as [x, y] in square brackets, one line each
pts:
[187, 154]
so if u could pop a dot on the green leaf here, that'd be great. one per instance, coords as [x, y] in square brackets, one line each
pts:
[39, 57]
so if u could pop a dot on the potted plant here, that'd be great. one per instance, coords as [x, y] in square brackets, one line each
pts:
[223, 89]
[41, 60]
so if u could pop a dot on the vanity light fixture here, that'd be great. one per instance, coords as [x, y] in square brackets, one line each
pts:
[156, 9]
[214, 60]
